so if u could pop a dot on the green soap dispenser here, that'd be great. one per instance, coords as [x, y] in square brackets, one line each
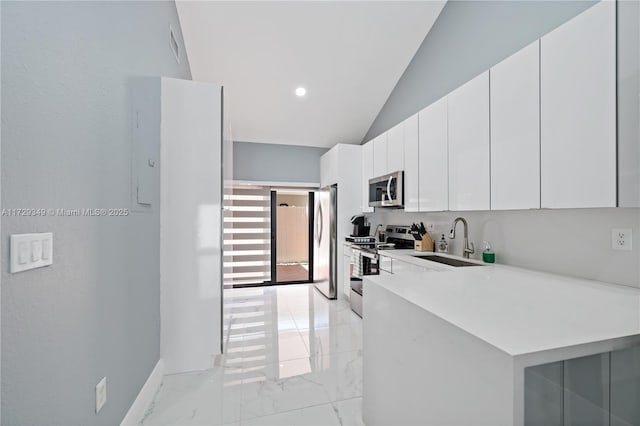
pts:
[488, 256]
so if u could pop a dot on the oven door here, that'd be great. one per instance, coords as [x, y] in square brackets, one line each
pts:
[387, 190]
[363, 263]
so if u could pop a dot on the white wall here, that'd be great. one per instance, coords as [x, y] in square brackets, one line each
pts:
[575, 242]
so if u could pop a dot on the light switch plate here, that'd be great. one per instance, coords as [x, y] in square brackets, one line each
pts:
[30, 251]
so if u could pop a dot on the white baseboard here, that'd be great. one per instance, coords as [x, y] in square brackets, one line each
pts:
[144, 399]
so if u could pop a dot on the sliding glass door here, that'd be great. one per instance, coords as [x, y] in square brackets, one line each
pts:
[291, 236]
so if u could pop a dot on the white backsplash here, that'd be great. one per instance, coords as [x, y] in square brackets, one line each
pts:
[574, 242]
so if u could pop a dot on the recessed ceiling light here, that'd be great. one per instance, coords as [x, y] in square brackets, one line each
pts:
[301, 91]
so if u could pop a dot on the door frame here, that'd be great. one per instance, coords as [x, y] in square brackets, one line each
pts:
[274, 239]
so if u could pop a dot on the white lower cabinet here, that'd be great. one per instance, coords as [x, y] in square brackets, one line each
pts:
[468, 130]
[347, 257]
[346, 275]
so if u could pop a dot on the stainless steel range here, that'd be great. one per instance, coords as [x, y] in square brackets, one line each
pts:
[365, 258]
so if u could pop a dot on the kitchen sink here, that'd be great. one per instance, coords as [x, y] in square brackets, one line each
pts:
[446, 260]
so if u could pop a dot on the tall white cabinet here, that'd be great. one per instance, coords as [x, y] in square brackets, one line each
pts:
[515, 131]
[433, 141]
[468, 130]
[578, 119]
[187, 123]
[411, 164]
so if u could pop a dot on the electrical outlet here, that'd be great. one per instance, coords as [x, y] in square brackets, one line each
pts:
[621, 239]
[101, 394]
[431, 228]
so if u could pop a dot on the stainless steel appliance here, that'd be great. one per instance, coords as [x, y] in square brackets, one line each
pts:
[360, 227]
[387, 190]
[325, 253]
[366, 261]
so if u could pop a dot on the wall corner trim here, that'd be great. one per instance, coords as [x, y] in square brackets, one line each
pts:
[145, 398]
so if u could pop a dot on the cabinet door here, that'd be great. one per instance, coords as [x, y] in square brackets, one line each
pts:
[578, 111]
[468, 109]
[515, 131]
[367, 173]
[434, 174]
[543, 394]
[395, 148]
[625, 387]
[411, 165]
[586, 391]
[380, 155]
[346, 276]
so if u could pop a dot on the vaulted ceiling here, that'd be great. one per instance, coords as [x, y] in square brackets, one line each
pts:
[348, 55]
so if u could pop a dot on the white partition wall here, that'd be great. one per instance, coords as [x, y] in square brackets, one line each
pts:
[190, 224]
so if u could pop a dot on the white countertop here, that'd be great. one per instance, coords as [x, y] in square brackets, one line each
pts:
[518, 311]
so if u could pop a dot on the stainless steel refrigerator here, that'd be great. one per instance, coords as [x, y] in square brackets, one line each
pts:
[325, 244]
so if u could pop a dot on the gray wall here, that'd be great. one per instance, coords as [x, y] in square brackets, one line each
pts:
[66, 73]
[276, 163]
[467, 39]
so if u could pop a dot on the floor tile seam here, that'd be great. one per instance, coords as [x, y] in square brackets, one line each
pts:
[284, 412]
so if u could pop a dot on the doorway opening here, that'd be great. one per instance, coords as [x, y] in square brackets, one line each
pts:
[268, 236]
[291, 236]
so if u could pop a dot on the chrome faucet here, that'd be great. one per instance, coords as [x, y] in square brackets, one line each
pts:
[468, 247]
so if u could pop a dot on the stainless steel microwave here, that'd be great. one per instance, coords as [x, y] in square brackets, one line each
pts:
[387, 190]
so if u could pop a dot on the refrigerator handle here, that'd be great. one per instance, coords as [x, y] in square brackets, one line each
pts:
[319, 224]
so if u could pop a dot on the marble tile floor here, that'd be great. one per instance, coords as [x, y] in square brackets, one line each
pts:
[292, 357]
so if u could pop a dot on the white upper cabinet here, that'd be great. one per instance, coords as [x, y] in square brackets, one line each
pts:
[411, 165]
[329, 168]
[380, 155]
[515, 131]
[578, 111]
[468, 117]
[434, 177]
[367, 173]
[395, 149]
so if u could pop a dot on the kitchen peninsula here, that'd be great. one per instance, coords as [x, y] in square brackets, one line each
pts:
[450, 346]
